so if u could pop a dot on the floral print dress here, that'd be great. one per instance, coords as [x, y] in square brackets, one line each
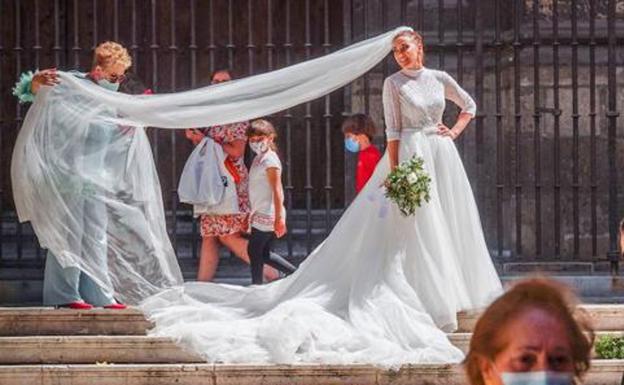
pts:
[219, 225]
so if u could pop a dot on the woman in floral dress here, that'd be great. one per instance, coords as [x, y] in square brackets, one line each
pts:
[226, 229]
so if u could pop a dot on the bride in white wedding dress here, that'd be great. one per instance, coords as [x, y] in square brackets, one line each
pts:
[382, 288]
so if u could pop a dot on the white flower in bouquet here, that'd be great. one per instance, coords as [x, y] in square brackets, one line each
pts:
[408, 185]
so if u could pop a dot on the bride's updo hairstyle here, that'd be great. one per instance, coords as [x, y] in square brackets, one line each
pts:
[491, 335]
[414, 36]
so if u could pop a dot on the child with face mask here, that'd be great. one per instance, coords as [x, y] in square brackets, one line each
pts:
[359, 130]
[266, 194]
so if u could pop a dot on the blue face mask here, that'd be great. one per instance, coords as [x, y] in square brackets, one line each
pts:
[537, 378]
[352, 145]
[108, 85]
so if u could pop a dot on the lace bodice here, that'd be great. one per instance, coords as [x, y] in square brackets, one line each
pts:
[416, 99]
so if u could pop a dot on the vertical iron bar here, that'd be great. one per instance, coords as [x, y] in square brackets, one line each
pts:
[441, 28]
[270, 47]
[384, 27]
[536, 133]
[308, 139]
[556, 133]
[116, 20]
[95, 24]
[403, 12]
[421, 16]
[612, 115]
[154, 47]
[37, 50]
[460, 62]
[193, 43]
[18, 50]
[575, 131]
[517, 51]
[500, 144]
[134, 47]
[288, 117]
[250, 43]
[479, 79]
[193, 52]
[327, 116]
[2, 124]
[37, 47]
[230, 45]
[57, 34]
[173, 52]
[349, 99]
[592, 128]
[366, 77]
[76, 47]
[211, 40]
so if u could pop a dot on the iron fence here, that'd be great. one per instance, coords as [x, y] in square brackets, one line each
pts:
[543, 153]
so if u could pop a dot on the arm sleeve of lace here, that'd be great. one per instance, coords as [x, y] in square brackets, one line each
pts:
[459, 96]
[392, 110]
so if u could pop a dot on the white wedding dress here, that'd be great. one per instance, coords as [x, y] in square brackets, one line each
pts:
[382, 288]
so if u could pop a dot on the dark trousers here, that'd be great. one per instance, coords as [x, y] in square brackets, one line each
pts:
[259, 250]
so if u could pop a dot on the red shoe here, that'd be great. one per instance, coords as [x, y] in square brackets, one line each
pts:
[78, 305]
[116, 306]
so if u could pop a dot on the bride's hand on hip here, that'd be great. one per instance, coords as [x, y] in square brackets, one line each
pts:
[445, 131]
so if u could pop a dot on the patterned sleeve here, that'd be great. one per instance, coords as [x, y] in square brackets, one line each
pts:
[459, 96]
[236, 131]
[392, 110]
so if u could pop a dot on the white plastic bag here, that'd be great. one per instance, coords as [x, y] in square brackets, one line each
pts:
[202, 181]
[205, 182]
[228, 205]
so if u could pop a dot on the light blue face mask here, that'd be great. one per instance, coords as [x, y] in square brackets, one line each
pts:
[352, 145]
[108, 85]
[537, 378]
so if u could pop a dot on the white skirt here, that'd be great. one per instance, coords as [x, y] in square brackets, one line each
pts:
[378, 290]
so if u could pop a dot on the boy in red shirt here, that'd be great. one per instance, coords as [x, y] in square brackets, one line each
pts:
[359, 130]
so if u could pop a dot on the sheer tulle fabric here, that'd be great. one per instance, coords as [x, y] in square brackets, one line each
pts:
[68, 161]
[82, 146]
[351, 300]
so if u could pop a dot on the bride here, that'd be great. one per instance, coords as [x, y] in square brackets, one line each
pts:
[382, 287]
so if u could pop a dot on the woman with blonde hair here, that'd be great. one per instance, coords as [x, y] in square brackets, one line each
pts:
[65, 282]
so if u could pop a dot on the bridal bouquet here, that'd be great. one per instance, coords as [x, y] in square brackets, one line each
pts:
[408, 185]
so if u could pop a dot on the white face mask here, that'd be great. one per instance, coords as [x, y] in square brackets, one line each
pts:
[537, 378]
[259, 147]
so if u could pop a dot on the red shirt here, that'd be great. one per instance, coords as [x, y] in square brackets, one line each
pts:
[367, 161]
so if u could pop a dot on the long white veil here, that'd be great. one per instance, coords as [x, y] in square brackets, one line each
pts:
[83, 172]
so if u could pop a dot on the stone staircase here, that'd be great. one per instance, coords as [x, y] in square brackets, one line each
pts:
[49, 346]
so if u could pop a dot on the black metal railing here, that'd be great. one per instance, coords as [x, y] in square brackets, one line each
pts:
[542, 153]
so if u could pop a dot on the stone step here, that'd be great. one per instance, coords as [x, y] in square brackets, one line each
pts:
[122, 349]
[604, 317]
[32, 321]
[16, 321]
[603, 372]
